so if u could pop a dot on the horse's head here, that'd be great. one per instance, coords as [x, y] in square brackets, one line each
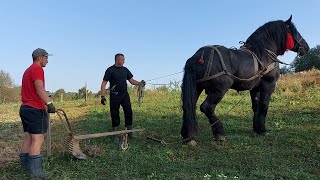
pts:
[300, 45]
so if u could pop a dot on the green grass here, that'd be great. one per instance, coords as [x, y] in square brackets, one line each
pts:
[291, 151]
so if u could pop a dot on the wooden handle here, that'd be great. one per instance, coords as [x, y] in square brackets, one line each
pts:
[90, 136]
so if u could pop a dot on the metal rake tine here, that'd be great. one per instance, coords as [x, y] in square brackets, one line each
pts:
[73, 146]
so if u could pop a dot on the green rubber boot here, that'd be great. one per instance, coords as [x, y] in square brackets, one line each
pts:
[35, 166]
[24, 161]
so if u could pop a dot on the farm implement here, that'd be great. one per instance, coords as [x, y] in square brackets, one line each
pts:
[73, 141]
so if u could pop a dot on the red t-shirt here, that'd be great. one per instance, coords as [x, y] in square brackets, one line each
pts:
[29, 95]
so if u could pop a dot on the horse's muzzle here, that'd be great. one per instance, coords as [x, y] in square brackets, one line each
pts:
[303, 48]
[301, 51]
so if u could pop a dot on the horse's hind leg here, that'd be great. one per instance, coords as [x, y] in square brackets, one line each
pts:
[208, 108]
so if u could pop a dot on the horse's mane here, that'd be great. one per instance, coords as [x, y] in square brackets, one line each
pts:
[271, 34]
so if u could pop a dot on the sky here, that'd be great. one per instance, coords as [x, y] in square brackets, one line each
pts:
[156, 36]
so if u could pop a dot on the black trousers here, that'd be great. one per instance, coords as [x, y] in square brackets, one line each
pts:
[123, 99]
[34, 121]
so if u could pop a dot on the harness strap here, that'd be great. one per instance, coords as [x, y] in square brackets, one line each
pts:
[247, 79]
[209, 66]
[221, 59]
[269, 68]
[256, 60]
[211, 77]
[273, 56]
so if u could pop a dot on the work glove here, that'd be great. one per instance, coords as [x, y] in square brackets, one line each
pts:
[103, 100]
[51, 108]
[143, 83]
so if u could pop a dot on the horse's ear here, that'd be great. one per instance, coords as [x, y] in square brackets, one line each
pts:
[288, 22]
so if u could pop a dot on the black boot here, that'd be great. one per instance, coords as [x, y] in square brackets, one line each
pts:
[130, 134]
[35, 166]
[24, 160]
[115, 138]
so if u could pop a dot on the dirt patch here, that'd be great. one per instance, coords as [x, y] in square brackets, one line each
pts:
[93, 151]
[9, 146]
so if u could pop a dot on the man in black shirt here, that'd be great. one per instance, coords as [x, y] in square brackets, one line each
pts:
[118, 75]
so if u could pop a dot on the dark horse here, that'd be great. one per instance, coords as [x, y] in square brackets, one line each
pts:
[253, 67]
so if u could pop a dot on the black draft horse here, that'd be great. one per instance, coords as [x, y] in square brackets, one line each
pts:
[253, 67]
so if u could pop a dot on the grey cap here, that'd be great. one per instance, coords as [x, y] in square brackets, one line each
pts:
[39, 52]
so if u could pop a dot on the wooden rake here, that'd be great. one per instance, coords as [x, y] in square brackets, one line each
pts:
[73, 141]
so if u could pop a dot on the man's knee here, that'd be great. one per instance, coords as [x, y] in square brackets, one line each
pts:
[37, 138]
[128, 112]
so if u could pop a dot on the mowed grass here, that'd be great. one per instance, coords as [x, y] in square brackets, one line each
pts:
[291, 151]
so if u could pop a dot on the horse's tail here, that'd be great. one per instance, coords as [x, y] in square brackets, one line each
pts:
[189, 100]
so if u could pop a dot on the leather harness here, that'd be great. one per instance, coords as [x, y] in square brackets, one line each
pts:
[256, 61]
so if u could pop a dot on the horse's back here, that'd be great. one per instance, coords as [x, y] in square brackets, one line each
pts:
[216, 59]
[237, 62]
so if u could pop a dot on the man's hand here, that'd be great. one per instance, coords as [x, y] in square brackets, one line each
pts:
[103, 100]
[51, 108]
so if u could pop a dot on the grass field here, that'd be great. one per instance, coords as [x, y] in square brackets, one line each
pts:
[291, 151]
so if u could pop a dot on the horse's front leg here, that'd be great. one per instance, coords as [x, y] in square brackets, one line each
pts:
[255, 97]
[266, 91]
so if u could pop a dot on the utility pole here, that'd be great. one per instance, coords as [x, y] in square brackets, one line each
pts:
[86, 94]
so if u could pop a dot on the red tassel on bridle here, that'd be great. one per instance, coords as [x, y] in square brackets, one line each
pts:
[290, 42]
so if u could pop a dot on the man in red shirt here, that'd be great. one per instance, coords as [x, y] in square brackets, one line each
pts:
[33, 112]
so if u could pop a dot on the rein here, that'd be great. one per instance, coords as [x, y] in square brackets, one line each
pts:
[273, 56]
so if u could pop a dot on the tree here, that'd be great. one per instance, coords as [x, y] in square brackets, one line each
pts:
[82, 93]
[286, 70]
[5, 79]
[308, 61]
[8, 91]
[59, 94]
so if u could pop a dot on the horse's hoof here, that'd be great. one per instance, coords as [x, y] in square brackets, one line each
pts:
[220, 138]
[192, 143]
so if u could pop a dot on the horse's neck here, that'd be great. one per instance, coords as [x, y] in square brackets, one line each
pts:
[273, 48]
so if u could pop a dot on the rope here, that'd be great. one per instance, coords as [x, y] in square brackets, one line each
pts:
[141, 86]
[140, 93]
[165, 76]
[229, 110]
[167, 84]
[235, 104]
